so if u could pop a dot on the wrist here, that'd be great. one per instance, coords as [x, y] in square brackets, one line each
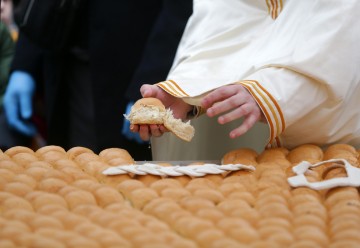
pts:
[195, 112]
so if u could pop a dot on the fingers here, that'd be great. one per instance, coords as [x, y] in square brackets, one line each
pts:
[147, 131]
[220, 94]
[156, 131]
[12, 110]
[237, 113]
[26, 106]
[247, 124]
[232, 102]
[144, 132]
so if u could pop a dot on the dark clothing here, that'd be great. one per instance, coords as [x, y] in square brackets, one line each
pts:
[162, 45]
[107, 45]
[10, 138]
[7, 49]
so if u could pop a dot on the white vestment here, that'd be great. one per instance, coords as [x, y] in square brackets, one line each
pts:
[299, 59]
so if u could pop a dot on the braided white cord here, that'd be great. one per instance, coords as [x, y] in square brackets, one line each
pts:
[176, 170]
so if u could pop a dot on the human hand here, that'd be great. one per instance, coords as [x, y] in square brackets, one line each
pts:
[18, 102]
[177, 105]
[126, 127]
[233, 102]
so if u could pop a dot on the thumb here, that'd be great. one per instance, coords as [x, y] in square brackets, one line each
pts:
[148, 90]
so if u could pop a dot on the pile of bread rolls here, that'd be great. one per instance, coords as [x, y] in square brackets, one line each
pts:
[57, 198]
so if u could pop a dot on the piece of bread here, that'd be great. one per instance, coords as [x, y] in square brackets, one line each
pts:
[152, 111]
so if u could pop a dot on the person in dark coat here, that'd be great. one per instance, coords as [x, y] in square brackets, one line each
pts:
[85, 84]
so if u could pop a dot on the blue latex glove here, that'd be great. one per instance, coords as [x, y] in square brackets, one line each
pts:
[126, 127]
[18, 102]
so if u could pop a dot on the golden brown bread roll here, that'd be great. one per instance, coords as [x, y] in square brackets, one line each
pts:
[24, 158]
[152, 111]
[18, 149]
[151, 207]
[44, 198]
[90, 185]
[76, 151]
[307, 152]
[148, 179]
[193, 203]
[16, 202]
[310, 220]
[238, 229]
[11, 165]
[51, 153]
[24, 178]
[107, 195]
[127, 186]
[50, 209]
[312, 233]
[210, 194]
[269, 155]
[49, 148]
[207, 238]
[245, 156]
[175, 193]
[212, 214]
[42, 221]
[343, 151]
[7, 175]
[116, 156]
[37, 240]
[140, 197]
[71, 202]
[17, 188]
[147, 111]
[79, 197]
[165, 183]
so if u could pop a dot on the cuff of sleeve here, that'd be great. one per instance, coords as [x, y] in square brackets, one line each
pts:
[270, 108]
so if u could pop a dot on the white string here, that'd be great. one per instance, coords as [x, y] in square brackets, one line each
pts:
[176, 170]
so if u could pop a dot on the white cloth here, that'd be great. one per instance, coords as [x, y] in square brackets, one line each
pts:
[302, 64]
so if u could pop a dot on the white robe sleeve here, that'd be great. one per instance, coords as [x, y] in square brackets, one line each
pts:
[303, 66]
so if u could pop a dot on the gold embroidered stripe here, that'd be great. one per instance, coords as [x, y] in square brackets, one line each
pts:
[172, 88]
[273, 100]
[268, 109]
[278, 142]
[275, 143]
[263, 107]
[269, 106]
[274, 7]
[178, 87]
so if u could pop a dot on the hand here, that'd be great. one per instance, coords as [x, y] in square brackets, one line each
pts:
[177, 105]
[126, 127]
[233, 102]
[18, 102]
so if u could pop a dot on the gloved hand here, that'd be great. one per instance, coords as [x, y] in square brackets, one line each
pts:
[18, 102]
[126, 127]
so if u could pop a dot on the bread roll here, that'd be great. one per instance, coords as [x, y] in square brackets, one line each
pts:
[18, 149]
[245, 156]
[116, 156]
[152, 111]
